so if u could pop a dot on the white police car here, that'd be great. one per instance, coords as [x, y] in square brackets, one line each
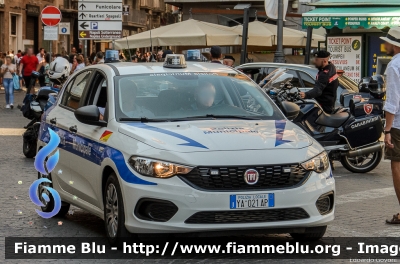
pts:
[176, 148]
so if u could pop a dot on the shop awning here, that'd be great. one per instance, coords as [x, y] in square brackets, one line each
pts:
[353, 17]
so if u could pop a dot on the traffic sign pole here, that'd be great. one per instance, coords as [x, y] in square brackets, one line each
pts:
[51, 16]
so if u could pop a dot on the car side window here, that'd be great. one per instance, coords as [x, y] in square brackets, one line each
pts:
[73, 92]
[308, 81]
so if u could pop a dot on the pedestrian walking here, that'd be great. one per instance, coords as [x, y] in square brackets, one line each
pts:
[43, 68]
[99, 57]
[392, 111]
[8, 69]
[216, 54]
[28, 63]
[40, 55]
[81, 63]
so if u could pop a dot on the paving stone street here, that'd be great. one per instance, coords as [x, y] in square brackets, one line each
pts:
[363, 201]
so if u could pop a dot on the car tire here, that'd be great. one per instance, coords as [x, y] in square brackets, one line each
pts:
[312, 234]
[49, 206]
[29, 148]
[114, 212]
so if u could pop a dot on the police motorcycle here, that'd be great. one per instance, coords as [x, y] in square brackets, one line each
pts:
[35, 104]
[350, 135]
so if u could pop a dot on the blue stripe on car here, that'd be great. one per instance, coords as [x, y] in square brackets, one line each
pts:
[189, 142]
[98, 152]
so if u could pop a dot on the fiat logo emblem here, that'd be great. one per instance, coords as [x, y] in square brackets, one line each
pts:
[251, 176]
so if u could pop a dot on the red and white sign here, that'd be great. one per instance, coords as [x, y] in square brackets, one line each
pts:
[51, 16]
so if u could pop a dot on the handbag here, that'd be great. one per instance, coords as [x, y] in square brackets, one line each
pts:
[16, 82]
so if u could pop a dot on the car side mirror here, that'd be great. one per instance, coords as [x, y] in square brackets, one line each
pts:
[290, 110]
[89, 115]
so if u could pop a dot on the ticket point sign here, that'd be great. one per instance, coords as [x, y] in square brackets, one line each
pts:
[346, 55]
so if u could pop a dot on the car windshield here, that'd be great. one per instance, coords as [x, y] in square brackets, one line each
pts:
[190, 96]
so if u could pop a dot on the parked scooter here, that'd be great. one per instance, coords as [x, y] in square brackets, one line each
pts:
[350, 136]
[34, 105]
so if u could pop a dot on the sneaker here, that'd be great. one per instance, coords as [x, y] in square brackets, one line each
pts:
[8, 106]
[12, 106]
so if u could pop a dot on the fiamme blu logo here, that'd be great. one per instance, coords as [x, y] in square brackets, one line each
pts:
[44, 167]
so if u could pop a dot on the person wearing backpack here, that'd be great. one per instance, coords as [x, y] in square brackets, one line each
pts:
[8, 69]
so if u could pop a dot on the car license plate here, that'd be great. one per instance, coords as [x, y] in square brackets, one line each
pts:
[242, 201]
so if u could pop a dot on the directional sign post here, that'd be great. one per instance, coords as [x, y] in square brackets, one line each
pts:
[101, 19]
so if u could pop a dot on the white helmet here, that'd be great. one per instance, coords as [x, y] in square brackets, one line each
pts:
[59, 70]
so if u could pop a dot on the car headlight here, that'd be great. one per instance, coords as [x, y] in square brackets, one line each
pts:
[157, 168]
[318, 164]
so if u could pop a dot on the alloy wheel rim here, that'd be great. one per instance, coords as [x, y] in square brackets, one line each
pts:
[371, 158]
[111, 210]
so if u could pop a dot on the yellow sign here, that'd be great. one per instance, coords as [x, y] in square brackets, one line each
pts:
[82, 34]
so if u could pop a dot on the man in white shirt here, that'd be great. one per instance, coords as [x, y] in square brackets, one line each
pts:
[40, 55]
[392, 111]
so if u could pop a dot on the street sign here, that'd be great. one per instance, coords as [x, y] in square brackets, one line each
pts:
[100, 19]
[100, 34]
[96, 25]
[100, 16]
[64, 28]
[50, 33]
[90, 6]
[51, 16]
[125, 10]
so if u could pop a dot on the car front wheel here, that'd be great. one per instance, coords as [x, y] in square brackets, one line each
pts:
[114, 213]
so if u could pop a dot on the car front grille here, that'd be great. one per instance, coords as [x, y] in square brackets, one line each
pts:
[232, 178]
[247, 216]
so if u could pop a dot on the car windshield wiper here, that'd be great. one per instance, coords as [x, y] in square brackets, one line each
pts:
[142, 119]
[225, 116]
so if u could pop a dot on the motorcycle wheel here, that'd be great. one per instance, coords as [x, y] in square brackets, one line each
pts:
[29, 148]
[362, 164]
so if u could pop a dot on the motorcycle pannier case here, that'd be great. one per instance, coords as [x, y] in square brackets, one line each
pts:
[363, 131]
[367, 107]
[346, 97]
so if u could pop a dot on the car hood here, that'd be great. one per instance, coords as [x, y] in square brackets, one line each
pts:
[218, 135]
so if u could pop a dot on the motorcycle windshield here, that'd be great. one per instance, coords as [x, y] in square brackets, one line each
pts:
[278, 79]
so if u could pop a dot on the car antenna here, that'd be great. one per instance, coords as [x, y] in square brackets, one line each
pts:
[127, 43]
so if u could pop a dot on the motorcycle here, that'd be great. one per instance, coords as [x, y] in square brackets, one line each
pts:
[351, 135]
[33, 107]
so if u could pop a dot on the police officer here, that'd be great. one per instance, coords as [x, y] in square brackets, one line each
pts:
[326, 84]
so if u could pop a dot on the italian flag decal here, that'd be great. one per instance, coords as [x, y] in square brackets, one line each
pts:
[106, 135]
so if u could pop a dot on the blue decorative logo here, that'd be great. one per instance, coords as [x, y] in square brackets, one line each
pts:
[41, 165]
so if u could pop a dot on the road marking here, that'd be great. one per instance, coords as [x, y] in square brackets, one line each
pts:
[364, 195]
[11, 131]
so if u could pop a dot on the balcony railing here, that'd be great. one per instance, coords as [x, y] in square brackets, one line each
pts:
[136, 17]
[69, 5]
[156, 5]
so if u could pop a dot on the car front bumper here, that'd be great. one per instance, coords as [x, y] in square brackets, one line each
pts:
[190, 201]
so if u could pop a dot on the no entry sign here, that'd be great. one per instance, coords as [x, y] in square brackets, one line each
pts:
[51, 16]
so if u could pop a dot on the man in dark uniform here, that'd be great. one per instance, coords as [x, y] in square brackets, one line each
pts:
[326, 83]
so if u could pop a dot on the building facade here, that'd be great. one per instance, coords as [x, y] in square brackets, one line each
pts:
[21, 25]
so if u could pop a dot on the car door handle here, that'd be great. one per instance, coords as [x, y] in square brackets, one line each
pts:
[53, 121]
[73, 129]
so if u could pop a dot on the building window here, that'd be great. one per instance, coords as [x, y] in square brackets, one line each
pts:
[13, 25]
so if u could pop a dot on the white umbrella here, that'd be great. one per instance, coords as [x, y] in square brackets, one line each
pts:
[265, 35]
[186, 33]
